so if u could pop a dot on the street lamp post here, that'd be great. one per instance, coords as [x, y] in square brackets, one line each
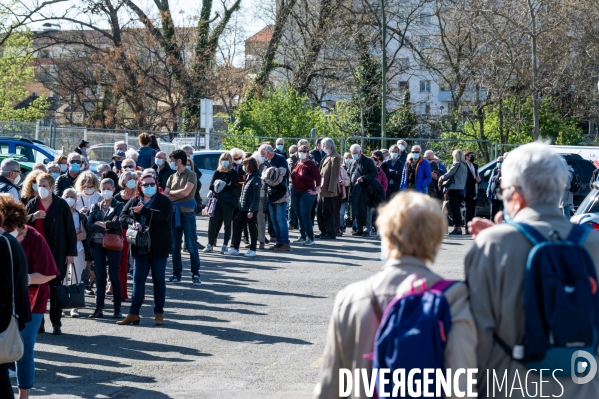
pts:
[383, 75]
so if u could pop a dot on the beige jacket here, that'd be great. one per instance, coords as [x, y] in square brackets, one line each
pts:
[329, 170]
[495, 270]
[353, 324]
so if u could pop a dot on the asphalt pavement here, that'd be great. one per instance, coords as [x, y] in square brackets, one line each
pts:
[254, 329]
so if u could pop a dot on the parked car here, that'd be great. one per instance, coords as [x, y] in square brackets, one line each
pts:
[33, 150]
[588, 211]
[207, 162]
[26, 166]
[584, 168]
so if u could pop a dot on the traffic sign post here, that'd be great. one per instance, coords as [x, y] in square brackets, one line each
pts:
[206, 119]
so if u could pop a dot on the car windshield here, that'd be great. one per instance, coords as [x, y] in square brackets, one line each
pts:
[590, 203]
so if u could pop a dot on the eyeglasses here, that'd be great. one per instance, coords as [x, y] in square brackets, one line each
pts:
[237, 159]
[302, 152]
[75, 162]
[415, 152]
[16, 171]
[499, 192]
[148, 185]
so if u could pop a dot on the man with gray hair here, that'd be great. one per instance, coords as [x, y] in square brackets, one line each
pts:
[496, 266]
[280, 143]
[360, 171]
[403, 150]
[11, 176]
[39, 166]
[120, 146]
[101, 168]
[303, 142]
[68, 179]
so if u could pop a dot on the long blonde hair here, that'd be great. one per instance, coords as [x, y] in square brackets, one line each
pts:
[225, 156]
[27, 190]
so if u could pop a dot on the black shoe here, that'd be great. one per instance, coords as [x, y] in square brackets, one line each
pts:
[97, 314]
[339, 233]
[200, 246]
[117, 315]
[88, 291]
[42, 329]
[455, 233]
[56, 330]
[318, 235]
[357, 233]
[266, 240]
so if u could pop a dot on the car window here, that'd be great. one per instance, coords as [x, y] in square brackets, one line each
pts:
[590, 203]
[26, 151]
[206, 161]
[102, 154]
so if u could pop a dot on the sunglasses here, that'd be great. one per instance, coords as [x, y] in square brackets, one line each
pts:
[76, 162]
[415, 152]
[149, 185]
[237, 159]
[302, 152]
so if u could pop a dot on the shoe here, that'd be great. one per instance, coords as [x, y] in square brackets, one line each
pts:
[309, 242]
[339, 233]
[200, 246]
[283, 247]
[366, 235]
[195, 280]
[158, 319]
[318, 235]
[261, 246]
[174, 280]
[356, 233]
[97, 314]
[250, 253]
[75, 313]
[224, 249]
[207, 249]
[455, 233]
[274, 247]
[266, 241]
[327, 237]
[117, 314]
[246, 240]
[56, 330]
[184, 248]
[88, 291]
[232, 251]
[130, 319]
[63, 314]
[247, 246]
[299, 241]
[109, 292]
[42, 329]
[12, 373]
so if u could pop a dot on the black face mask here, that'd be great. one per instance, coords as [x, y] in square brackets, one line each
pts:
[471, 158]
[117, 164]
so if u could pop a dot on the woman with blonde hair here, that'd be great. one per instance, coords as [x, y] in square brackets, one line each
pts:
[412, 227]
[224, 188]
[88, 192]
[29, 188]
[61, 160]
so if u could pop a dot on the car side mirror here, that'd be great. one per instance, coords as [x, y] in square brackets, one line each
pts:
[47, 161]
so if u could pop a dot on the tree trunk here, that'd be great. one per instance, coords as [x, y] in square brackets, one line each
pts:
[535, 89]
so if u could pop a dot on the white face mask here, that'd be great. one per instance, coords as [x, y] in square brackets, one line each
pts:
[17, 180]
[107, 194]
[63, 167]
[14, 233]
[70, 201]
[43, 192]
[401, 147]
[238, 162]
[326, 151]
[302, 155]
[89, 191]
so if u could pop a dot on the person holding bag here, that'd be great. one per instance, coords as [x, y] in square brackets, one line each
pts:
[106, 244]
[152, 212]
[42, 269]
[14, 305]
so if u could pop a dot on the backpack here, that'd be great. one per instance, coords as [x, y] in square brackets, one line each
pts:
[561, 305]
[575, 185]
[413, 331]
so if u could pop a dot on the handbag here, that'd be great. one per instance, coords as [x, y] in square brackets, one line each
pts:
[447, 183]
[71, 296]
[138, 238]
[210, 206]
[11, 342]
[112, 242]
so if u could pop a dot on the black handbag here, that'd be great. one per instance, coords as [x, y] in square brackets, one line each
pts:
[447, 183]
[140, 239]
[70, 296]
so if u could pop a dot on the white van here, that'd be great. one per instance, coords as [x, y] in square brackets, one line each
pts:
[587, 152]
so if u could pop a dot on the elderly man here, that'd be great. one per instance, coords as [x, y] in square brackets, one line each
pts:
[328, 204]
[291, 162]
[280, 149]
[403, 150]
[416, 173]
[429, 155]
[11, 176]
[132, 154]
[128, 165]
[68, 179]
[39, 166]
[278, 209]
[101, 169]
[120, 146]
[496, 269]
[162, 168]
[53, 170]
[360, 171]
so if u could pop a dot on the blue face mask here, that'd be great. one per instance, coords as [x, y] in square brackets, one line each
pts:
[347, 161]
[188, 167]
[159, 161]
[75, 168]
[499, 164]
[355, 156]
[280, 147]
[264, 159]
[225, 164]
[415, 155]
[54, 175]
[173, 165]
[131, 183]
[506, 216]
[149, 191]
[34, 187]
[394, 155]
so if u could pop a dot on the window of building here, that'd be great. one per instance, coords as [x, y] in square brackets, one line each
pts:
[425, 42]
[425, 86]
[425, 19]
[404, 62]
[48, 73]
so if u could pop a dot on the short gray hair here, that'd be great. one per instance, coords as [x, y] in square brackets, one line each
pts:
[125, 177]
[72, 155]
[129, 160]
[69, 191]
[280, 138]
[8, 166]
[149, 171]
[328, 142]
[131, 153]
[107, 181]
[416, 146]
[186, 148]
[428, 152]
[39, 166]
[292, 147]
[303, 142]
[266, 148]
[52, 165]
[103, 167]
[458, 156]
[355, 147]
[119, 143]
[537, 171]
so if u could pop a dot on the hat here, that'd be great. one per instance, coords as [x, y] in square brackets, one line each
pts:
[219, 185]
[500, 159]
[119, 153]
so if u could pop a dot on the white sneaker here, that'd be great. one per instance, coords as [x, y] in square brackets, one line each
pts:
[64, 314]
[74, 313]
[208, 249]
[232, 251]
[299, 241]
[309, 242]
[250, 253]
[224, 249]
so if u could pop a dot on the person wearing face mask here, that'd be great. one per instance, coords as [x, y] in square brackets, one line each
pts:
[29, 188]
[88, 192]
[53, 169]
[307, 180]
[457, 175]
[347, 160]
[117, 161]
[377, 158]
[149, 209]
[494, 187]
[293, 221]
[79, 220]
[41, 269]
[104, 219]
[51, 216]
[472, 181]
[280, 147]
[496, 264]
[328, 198]
[361, 172]
[403, 150]
[82, 149]
[237, 156]
[162, 169]
[68, 179]
[10, 177]
[416, 173]
[61, 161]
[393, 170]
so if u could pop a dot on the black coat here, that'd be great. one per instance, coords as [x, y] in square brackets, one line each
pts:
[59, 230]
[63, 182]
[230, 193]
[164, 173]
[471, 181]
[161, 211]
[113, 225]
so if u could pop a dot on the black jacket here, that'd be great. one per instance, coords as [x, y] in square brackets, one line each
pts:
[316, 156]
[161, 211]
[250, 195]
[229, 193]
[165, 173]
[471, 181]
[113, 225]
[59, 231]
[393, 169]
[364, 168]
[63, 182]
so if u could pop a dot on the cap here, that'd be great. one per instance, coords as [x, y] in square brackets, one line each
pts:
[119, 153]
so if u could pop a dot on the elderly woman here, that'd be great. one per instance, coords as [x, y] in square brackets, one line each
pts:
[227, 195]
[29, 188]
[457, 176]
[88, 192]
[150, 209]
[128, 183]
[41, 269]
[328, 203]
[104, 219]
[51, 216]
[407, 248]
[53, 170]
[79, 220]
[61, 161]
[306, 180]
[101, 168]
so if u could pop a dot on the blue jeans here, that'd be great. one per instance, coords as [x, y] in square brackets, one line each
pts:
[26, 365]
[141, 267]
[302, 203]
[100, 255]
[566, 211]
[369, 213]
[342, 209]
[188, 227]
[278, 215]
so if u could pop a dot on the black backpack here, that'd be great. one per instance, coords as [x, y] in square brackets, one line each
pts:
[575, 185]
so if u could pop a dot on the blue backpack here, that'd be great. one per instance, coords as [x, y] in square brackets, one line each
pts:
[561, 305]
[413, 331]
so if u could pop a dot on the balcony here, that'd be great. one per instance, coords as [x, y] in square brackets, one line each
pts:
[470, 95]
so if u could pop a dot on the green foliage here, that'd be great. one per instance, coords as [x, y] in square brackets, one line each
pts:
[16, 71]
[402, 121]
[368, 79]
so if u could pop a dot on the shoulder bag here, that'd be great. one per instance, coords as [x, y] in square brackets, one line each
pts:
[71, 296]
[112, 242]
[138, 238]
[447, 183]
[11, 342]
